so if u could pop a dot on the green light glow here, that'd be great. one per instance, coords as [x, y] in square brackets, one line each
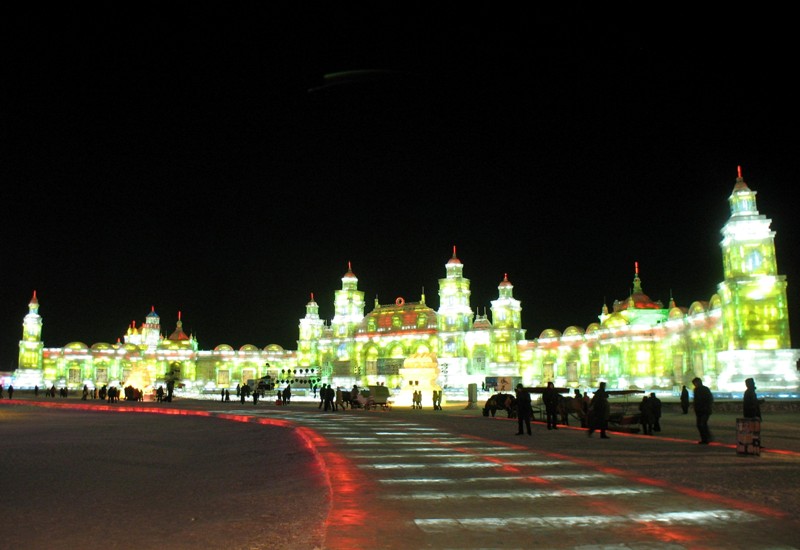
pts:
[741, 331]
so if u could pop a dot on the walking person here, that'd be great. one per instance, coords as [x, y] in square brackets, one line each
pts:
[10, 391]
[599, 411]
[437, 399]
[524, 409]
[338, 402]
[703, 402]
[685, 400]
[550, 398]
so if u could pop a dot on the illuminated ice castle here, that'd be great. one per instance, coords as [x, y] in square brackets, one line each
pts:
[741, 331]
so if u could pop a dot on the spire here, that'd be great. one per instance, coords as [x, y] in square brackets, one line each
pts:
[454, 259]
[740, 184]
[742, 200]
[637, 282]
[178, 334]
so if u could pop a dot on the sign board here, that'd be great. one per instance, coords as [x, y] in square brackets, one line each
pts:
[503, 383]
[748, 436]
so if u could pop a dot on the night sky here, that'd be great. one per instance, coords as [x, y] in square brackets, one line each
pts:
[205, 163]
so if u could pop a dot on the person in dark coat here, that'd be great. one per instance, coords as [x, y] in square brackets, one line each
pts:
[655, 403]
[329, 394]
[703, 402]
[287, 394]
[599, 411]
[524, 409]
[750, 401]
[646, 415]
[550, 398]
[685, 400]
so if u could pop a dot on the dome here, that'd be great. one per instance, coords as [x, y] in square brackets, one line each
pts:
[640, 301]
[102, 346]
[550, 333]
[573, 331]
[76, 346]
[273, 347]
[637, 298]
[615, 320]
[677, 313]
[698, 307]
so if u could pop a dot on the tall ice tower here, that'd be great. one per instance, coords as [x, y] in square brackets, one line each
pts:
[755, 314]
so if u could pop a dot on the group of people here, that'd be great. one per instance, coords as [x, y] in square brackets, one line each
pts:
[416, 399]
[599, 409]
[327, 398]
[650, 414]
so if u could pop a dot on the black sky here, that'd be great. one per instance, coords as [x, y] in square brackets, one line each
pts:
[201, 162]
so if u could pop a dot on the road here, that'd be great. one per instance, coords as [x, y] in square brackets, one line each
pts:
[227, 475]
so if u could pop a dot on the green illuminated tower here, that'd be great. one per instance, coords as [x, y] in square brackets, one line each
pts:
[348, 307]
[311, 329]
[31, 345]
[755, 316]
[754, 308]
[507, 329]
[454, 320]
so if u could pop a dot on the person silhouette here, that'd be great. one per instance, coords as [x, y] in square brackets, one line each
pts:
[703, 402]
[599, 411]
[685, 400]
[524, 409]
